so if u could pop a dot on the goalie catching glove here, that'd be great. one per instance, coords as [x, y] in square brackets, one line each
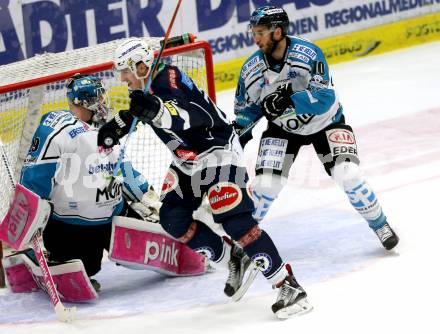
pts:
[148, 207]
[276, 103]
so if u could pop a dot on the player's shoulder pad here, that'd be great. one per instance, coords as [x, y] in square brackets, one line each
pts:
[253, 65]
[301, 49]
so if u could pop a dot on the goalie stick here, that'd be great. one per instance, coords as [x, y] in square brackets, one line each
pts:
[63, 313]
[147, 88]
[2, 272]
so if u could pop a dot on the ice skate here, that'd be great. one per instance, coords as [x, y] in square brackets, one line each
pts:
[387, 236]
[292, 299]
[238, 265]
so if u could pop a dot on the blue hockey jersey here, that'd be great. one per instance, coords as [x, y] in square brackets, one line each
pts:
[305, 67]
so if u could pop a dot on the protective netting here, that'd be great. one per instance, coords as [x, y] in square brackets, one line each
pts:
[21, 109]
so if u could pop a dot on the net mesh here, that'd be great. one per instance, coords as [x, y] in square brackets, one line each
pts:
[147, 153]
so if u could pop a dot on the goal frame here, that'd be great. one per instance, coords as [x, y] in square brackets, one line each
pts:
[109, 65]
[105, 66]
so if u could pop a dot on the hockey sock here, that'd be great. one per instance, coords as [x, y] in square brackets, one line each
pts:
[364, 200]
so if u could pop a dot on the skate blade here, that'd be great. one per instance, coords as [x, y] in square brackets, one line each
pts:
[253, 271]
[301, 307]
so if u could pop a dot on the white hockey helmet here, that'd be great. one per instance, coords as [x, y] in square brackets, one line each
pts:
[132, 52]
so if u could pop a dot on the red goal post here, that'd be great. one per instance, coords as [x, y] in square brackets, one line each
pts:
[35, 86]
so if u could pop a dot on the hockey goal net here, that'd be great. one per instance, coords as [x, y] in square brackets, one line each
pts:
[33, 87]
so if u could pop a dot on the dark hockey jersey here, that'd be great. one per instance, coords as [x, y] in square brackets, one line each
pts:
[196, 131]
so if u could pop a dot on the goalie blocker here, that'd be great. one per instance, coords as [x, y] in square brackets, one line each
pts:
[138, 244]
[27, 213]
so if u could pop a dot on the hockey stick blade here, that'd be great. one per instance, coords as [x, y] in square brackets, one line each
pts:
[63, 313]
[252, 273]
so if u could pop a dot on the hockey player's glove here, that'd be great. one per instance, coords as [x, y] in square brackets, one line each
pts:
[148, 108]
[110, 133]
[148, 207]
[244, 138]
[276, 103]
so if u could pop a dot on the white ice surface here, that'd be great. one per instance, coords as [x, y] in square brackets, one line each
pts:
[393, 103]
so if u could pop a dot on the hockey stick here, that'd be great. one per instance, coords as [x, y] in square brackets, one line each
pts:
[2, 272]
[147, 88]
[63, 313]
[249, 127]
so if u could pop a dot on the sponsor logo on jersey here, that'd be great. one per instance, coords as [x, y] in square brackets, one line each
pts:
[172, 78]
[170, 182]
[107, 151]
[251, 67]
[263, 261]
[108, 167]
[109, 194]
[305, 50]
[186, 155]
[341, 136]
[76, 131]
[18, 218]
[299, 56]
[171, 108]
[53, 118]
[224, 196]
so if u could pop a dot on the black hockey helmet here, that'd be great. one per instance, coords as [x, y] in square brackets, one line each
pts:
[271, 17]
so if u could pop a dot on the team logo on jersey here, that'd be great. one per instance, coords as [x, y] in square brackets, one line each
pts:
[170, 183]
[263, 261]
[224, 196]
[341, 136]
[207, 252]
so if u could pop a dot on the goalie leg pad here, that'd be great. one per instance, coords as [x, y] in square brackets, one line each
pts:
[27, 213]
[143, 245]
[24, 275]
[19, 278]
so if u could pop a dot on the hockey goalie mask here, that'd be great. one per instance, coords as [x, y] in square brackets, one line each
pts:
[132, 52]
[87, 91]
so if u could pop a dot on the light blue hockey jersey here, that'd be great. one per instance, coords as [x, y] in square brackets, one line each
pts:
[316, 102]
[65, 166]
